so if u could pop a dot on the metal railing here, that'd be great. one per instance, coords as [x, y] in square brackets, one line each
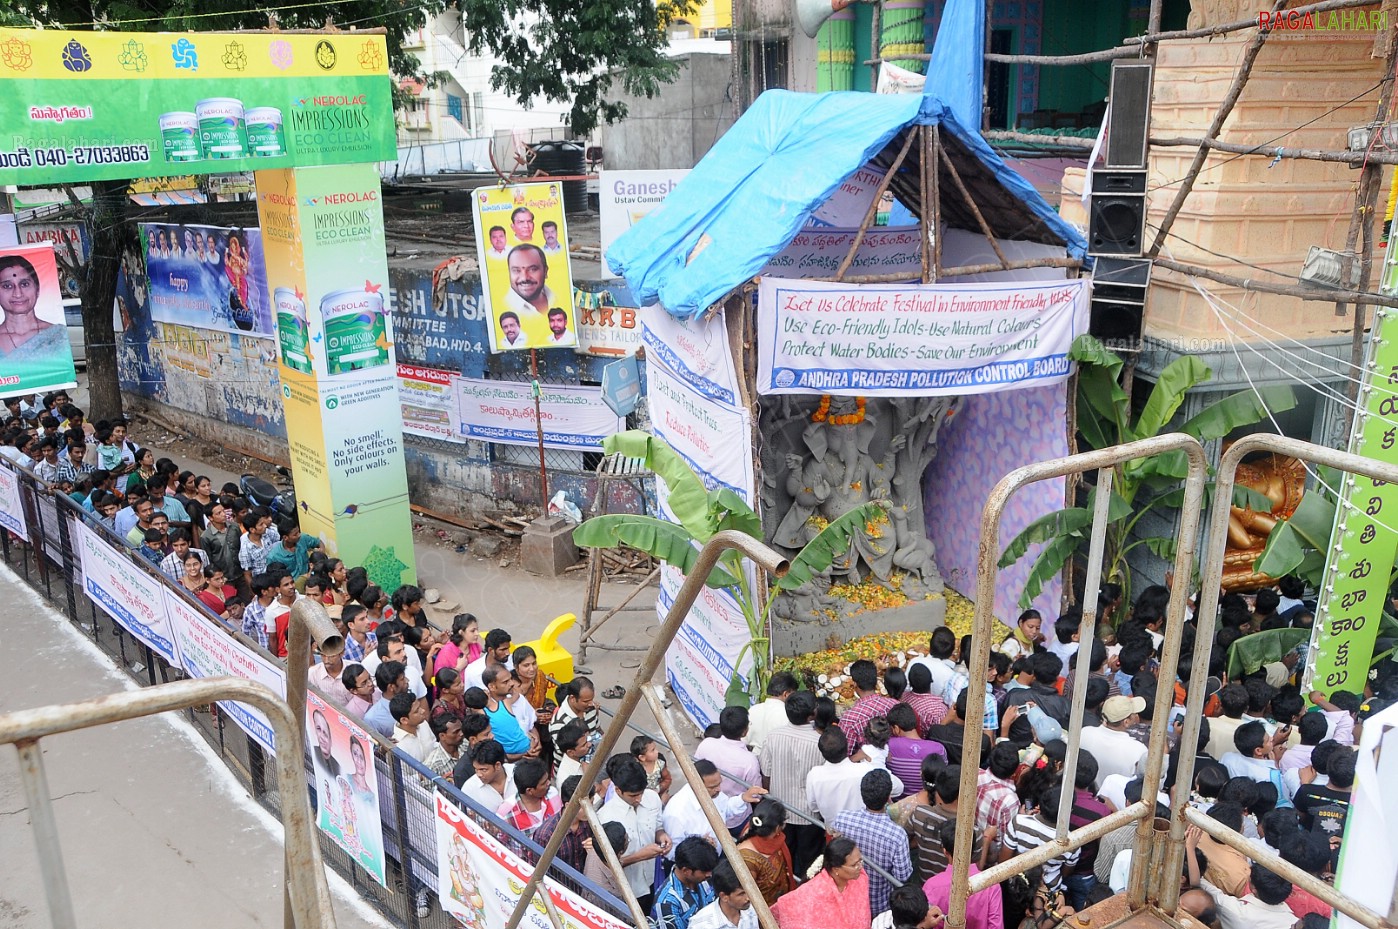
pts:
[307, 896]
[1157, 861]
[49, 563]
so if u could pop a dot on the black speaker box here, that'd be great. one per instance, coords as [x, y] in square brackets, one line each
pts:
[1119, 288]
[1117, 213]
[1128, 120]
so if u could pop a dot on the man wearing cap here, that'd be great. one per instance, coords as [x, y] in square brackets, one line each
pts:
[1113, 747]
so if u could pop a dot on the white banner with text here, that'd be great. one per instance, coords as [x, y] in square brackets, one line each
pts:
[895, 340]
[503, 411]
[126, 593]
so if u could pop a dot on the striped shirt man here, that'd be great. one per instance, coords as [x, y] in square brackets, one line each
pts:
[787, 755]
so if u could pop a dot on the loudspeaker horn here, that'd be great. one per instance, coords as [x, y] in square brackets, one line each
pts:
[811, 14]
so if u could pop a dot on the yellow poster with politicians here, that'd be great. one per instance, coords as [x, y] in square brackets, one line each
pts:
[522, 243]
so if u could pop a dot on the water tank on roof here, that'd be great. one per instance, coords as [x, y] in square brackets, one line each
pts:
[564, 159]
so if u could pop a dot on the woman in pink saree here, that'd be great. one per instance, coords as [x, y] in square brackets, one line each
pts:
[836, 898]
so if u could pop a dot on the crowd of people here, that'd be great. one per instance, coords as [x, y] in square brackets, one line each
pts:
[845, 816]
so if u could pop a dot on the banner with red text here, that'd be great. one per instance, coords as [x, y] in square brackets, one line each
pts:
[479, 880]
[428, 398]
[915, 340]
[503, 411]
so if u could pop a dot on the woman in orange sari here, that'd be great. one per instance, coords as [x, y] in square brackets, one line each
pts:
[765, 851]
[836, 898]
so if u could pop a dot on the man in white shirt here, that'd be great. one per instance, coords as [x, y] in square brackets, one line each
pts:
[1263, 908]
[1113, 747]
[493, 784]
[770, 713]
[638, 810]
[732, 909]
[497, 651]
[410, 730]
[833, 787]
[684, 816]
[940, 647]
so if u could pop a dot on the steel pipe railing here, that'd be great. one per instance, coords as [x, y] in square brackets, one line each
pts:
[767, 559]
[987, 570]
[307, 892]
[1206, 617]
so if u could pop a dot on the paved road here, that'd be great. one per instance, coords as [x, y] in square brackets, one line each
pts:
[155, 831]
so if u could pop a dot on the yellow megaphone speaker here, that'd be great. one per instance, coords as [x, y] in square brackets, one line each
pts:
[812, 13]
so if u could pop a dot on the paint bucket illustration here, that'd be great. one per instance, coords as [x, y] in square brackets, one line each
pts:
[355, 333]
[222, 133]
[265, 136]
[179, 135]
[291, 329]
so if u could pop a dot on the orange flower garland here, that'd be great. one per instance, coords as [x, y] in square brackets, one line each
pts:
[822, 413]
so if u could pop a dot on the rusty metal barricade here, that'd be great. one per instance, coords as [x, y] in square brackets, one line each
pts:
[307, 895]
[1211, 577]
[1156, 861]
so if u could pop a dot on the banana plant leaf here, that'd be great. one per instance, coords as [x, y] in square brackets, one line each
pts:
[1102, 406]
[833, 540]
[1048, 565]
[1089, 350]
[688, 499]
[727, 510]
[1308, 529]
[1068, 522]
[1240, 409]
[1251, 652]
[656, 537]
[1168, 394]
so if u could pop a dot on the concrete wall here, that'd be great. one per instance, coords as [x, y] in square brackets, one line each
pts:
[676, 127]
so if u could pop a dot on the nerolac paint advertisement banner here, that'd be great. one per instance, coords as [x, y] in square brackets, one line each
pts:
[207, 277]
[87, 106]
[35, 354]
[327, 270]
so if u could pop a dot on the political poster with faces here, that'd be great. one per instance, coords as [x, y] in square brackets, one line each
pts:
[522, 244]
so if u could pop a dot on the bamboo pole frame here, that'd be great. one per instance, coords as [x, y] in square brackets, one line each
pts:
[976, 212]
[1230, 100]
[874, 208]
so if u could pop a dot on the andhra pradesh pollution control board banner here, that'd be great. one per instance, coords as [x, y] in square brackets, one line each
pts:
[88, 106]
[503, 411]
[893, 340]
[479, 880]
[346, 785]
[522, 245]
[209, 651]
[207, 277]
[35, 354]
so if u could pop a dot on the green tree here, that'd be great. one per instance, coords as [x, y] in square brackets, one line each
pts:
[701, 513]
[1104, 417]
[574, 52]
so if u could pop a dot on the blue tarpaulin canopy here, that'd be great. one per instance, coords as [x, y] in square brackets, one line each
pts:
[756, 188]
